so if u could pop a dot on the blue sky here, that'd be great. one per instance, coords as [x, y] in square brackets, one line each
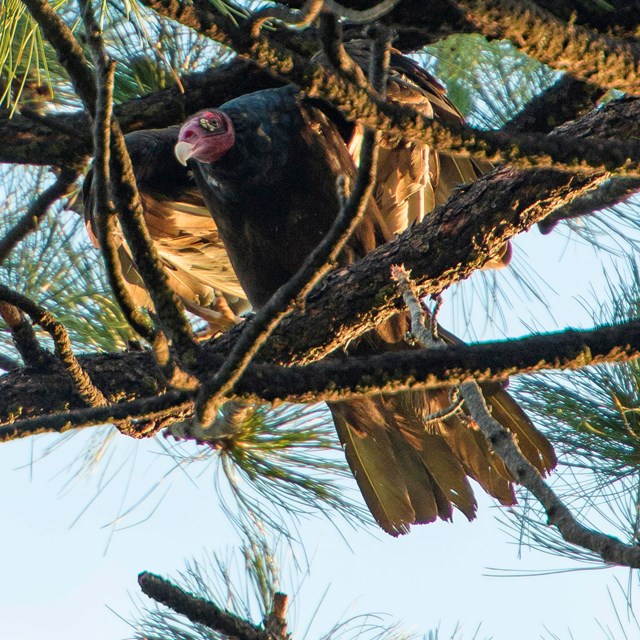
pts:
[60, 573]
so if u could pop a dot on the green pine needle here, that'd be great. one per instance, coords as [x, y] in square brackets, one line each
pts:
[281, 464]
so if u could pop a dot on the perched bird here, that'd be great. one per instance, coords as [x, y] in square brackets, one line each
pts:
[266, 164]
[182, 230]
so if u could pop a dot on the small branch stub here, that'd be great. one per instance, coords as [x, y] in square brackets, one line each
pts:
[276, 621]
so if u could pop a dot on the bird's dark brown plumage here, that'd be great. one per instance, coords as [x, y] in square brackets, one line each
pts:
[273, 197]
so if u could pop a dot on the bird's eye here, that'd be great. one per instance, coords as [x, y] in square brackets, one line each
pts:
[209, 125]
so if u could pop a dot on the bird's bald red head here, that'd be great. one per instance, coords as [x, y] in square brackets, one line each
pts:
[205, 137]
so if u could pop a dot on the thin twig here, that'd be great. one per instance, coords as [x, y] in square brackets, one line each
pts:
[199, 610]
[435, 333]
[37, 210]
[171, 406]
[416, 311]
[503, 443]
[24, 338]
[282, 303]
[168, 306]
[292, 17]
[378, 71]
[312, 8]
[331, 37]
[81, 381]
[104, 215]
[446, 412]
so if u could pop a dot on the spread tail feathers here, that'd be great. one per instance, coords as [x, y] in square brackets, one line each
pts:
[411, 471]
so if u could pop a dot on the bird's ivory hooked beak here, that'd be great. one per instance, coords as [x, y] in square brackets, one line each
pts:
[184, 150]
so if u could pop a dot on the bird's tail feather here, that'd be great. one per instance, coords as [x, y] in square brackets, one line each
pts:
[411, 470]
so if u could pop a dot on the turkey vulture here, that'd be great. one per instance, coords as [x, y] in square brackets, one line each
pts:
[266, 164]
[182, 229]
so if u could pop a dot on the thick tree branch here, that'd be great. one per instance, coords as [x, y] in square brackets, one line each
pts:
[566, 100]
[452, 241]
[596, 124]
[133, 376]
[585, 54]
[139, 418]
[169, 107]
[28, 142]
[363, 105]
[447, 247]
[619, 16]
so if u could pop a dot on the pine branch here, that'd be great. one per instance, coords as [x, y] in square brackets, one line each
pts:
[504, 443]
[611, 193]
[81, 380]
[170, 107]
[141, 418]
[37, 210]
[30, 142]
[610, 549]
[119, 375]
[125, 193]
[602, 60]
[453, 241]
[198, 609]
[359, 104]
[448, 246]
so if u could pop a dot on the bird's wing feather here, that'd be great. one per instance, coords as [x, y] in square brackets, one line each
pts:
[183, 231]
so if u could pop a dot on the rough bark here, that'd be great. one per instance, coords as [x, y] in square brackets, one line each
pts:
[588, 55]
[54, 407]
[27, 141]
[447, 247]
[453, 241]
